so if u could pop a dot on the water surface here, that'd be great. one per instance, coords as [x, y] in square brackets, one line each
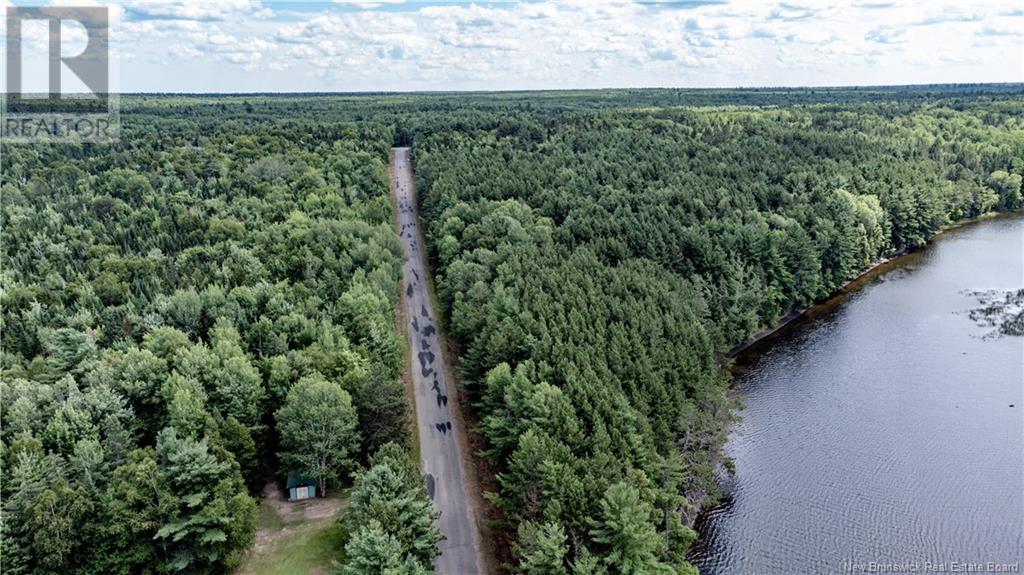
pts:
[881, 429]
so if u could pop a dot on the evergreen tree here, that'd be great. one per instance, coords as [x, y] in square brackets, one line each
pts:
[372, 550]
[394, 498]
[541, 549]
[624, 528]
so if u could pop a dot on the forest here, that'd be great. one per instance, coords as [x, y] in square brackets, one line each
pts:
[598, 265]
[179, 309]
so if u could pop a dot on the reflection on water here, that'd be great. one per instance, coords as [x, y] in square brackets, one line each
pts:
[881, 429]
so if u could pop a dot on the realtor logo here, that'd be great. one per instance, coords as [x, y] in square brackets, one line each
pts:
[59, 114]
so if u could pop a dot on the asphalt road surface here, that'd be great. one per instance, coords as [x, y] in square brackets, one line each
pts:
[439, 432]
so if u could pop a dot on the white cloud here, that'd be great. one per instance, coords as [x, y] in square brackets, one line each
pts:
[368, 4]
[191, 10]
[248, 45]
[887, 35]
[1001, 30]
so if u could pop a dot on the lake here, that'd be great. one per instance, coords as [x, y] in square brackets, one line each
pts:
[880, 429]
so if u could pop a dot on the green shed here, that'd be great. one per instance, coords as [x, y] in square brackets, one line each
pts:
[300, 487]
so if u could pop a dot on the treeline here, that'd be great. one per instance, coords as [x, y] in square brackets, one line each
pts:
[596, 266]
[203, 305]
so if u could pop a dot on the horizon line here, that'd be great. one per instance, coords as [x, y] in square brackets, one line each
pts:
[541, 90]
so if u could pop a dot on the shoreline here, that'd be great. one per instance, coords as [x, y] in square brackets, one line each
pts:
[743, 353]
[797, 313]
[779, 325]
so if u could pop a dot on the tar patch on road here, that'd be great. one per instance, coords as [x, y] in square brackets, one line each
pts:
[430, 486]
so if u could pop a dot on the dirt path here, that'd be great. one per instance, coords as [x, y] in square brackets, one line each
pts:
[309, 509]
[440, 430]
[291, 517]
[281, 520]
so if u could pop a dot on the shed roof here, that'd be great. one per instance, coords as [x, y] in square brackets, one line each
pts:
[296, 479]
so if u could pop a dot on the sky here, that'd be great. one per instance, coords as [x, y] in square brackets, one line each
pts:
[396, 45]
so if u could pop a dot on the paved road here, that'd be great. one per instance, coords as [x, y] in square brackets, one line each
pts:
[439, 445]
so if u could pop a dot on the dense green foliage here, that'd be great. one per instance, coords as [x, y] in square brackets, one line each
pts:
[161, 299]
[389, 520]
[597, 265]
[318, 429]
[598, 253]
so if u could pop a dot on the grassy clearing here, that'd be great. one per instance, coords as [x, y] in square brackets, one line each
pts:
[306, 550]
[296, 538]
[268, 519]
